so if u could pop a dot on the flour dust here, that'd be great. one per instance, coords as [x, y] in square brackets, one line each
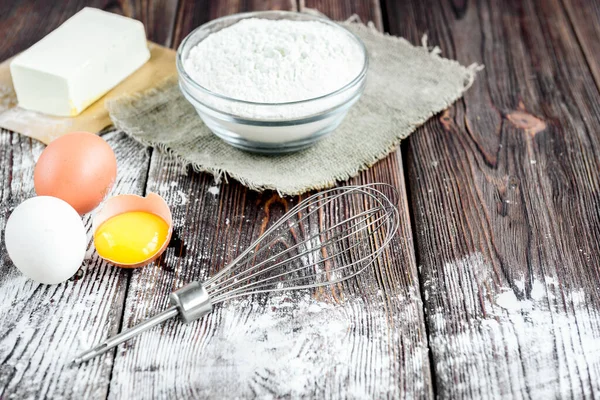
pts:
[286, 346]
[505, 344]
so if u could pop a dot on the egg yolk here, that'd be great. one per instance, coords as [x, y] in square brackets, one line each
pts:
[131, 238]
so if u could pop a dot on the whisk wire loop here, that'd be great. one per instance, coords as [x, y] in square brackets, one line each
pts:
[310, 259]
[255, 269]
[318, 282]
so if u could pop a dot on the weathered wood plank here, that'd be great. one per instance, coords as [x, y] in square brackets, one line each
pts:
[23, 23]
[44, 326]
[312, 344]
[372, 344]
[367, 10]
[504, 191]
[191, 14]
[158, 17]
[585, 21]
[413, 371]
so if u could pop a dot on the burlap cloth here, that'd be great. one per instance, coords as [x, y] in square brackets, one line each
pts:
[406, 85]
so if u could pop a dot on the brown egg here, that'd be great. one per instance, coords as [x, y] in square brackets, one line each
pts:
[79, 168]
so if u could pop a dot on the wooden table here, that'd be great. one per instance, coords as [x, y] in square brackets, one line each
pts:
[491, 289]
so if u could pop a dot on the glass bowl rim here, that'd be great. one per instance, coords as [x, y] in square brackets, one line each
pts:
[256, 14]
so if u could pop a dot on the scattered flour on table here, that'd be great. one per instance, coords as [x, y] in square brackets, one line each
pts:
[512, 338]
[29, 122]
[7, 98]
[538, 290]
[286, 347]
[214, 190]
[182, 198]
[508, 300]
[34, 318]
[274, 61]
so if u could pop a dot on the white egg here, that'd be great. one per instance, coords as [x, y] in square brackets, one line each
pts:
[45, 239]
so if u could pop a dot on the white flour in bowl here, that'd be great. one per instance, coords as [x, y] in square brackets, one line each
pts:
[275, 61]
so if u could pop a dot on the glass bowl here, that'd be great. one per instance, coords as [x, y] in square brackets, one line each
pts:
[272, 127]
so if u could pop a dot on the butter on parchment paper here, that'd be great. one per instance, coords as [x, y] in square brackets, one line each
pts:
[78, 62]
[94, 118]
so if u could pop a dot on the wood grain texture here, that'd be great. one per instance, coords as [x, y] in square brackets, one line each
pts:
[372, 344]
[192, 13]
[246, 348]
[504, 191]
[22, 23]
[585, 22]
[367, 10]
[44, 326]
[413, 376]
[504, 194]
[158, 17]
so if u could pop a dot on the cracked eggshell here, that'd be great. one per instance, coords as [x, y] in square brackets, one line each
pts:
[152, 203]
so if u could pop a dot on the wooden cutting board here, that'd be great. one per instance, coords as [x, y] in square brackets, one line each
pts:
[46, 128]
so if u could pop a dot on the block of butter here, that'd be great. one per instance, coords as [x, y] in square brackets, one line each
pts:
[78, 62]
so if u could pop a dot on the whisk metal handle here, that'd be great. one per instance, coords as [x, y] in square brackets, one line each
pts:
[190, 302]
[114, 341]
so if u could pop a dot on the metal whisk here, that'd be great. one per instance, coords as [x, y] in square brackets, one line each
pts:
[327, 238]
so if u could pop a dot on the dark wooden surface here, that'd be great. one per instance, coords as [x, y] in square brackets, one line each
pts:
[499, 211]
[504, 193]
